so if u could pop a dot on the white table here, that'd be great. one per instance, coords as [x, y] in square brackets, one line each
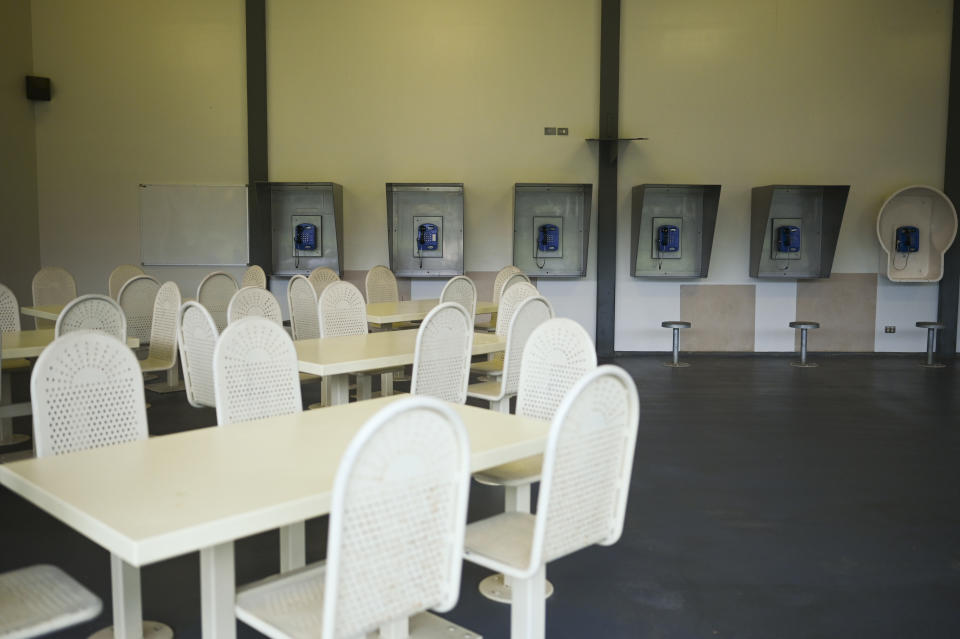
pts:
[412, 310]
[48, 312]
[17, 345]
[334, 358]
[231, 482]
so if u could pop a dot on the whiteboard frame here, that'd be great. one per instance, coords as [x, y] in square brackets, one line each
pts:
[246, 226]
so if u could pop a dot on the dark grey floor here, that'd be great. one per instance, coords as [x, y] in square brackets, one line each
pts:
[767, 502]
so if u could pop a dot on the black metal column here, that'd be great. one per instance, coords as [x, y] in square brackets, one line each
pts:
[607, 175]
[949, 295]
[257, 167]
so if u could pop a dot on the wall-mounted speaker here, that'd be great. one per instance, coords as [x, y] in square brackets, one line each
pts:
[38, 88]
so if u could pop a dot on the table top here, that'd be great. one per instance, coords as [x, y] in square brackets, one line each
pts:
[50, 311]
[411, 310]
[387, 349]
[31, 343]
[150, 500]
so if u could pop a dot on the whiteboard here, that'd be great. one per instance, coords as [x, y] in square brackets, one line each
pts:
[191, 225]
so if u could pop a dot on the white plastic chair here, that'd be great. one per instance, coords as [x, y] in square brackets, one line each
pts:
[119, 276]
[531, 313]
[254, 276]
[320, 277]
[502, 276]
[583, 495]
[342, 311]
[41, 599]
[137, 297]
[515, 278]
[197, 337]
[162, 355]
[381, 285]
[52, 285]
[255, 372]
[302, 303]
[557, 355]
[463, 291]
[396, 526]
[509, 302]
[441, 361]
[215, 292]
[9, 311]
[254, 302]
[87, 392]
[92, 313]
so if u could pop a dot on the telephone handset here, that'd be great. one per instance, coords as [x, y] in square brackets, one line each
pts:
[548, 241]
[789, 239]
[668, 238]
[908, 239]
[427, 237]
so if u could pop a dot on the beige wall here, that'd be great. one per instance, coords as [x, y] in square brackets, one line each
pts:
[146, 92]
[364, 93]
[19, 256]
[745, 93]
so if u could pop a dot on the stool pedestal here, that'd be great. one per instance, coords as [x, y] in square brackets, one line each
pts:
[932, 328]
[676, 326]
[804, 326]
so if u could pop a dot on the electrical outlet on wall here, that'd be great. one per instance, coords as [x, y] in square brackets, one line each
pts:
[889, 329]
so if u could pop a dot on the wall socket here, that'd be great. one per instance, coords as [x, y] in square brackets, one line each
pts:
[889, 329]
[549, 130]
[562, 130]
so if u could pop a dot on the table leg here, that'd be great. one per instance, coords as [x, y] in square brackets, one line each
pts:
[386, 384]
[218, 592]
[395, 630]
[364, 386]
[293, 546]
[527, 607]
[339, 389]
[127, 607]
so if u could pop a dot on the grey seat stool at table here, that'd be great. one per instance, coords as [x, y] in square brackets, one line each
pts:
[676, 326]
[804, 326]
[932, 328]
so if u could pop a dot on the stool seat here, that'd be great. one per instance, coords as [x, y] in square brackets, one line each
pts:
[802, 324]
[937, 325]
[676, 324]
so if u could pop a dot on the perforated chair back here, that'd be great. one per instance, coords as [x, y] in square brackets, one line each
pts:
[381, 285]
[516, 278]
[196, 338]
[92, 313]
[119, 276]
[557, 355]
[397, 519]
[502, 276]
[52, 285]
[87, 392]
[137, 297]
[441, 361]
[254, 302]
[463, 291]
[320, 277]
[163, 333]
[530, 313]
[587, 466]
[255, 372]
[342, 311]
[215, 292]
[254, 276]
[509, 301]
[9, 311]
[302, 303]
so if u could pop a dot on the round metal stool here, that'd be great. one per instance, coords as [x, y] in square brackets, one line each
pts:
[676, 326]
[932, 328]
[803, 326]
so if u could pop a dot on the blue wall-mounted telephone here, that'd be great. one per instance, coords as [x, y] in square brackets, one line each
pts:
[427, 237]
[788, 239]
[908, 239]
[305, 237]
[548, 238]
[668, 238]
